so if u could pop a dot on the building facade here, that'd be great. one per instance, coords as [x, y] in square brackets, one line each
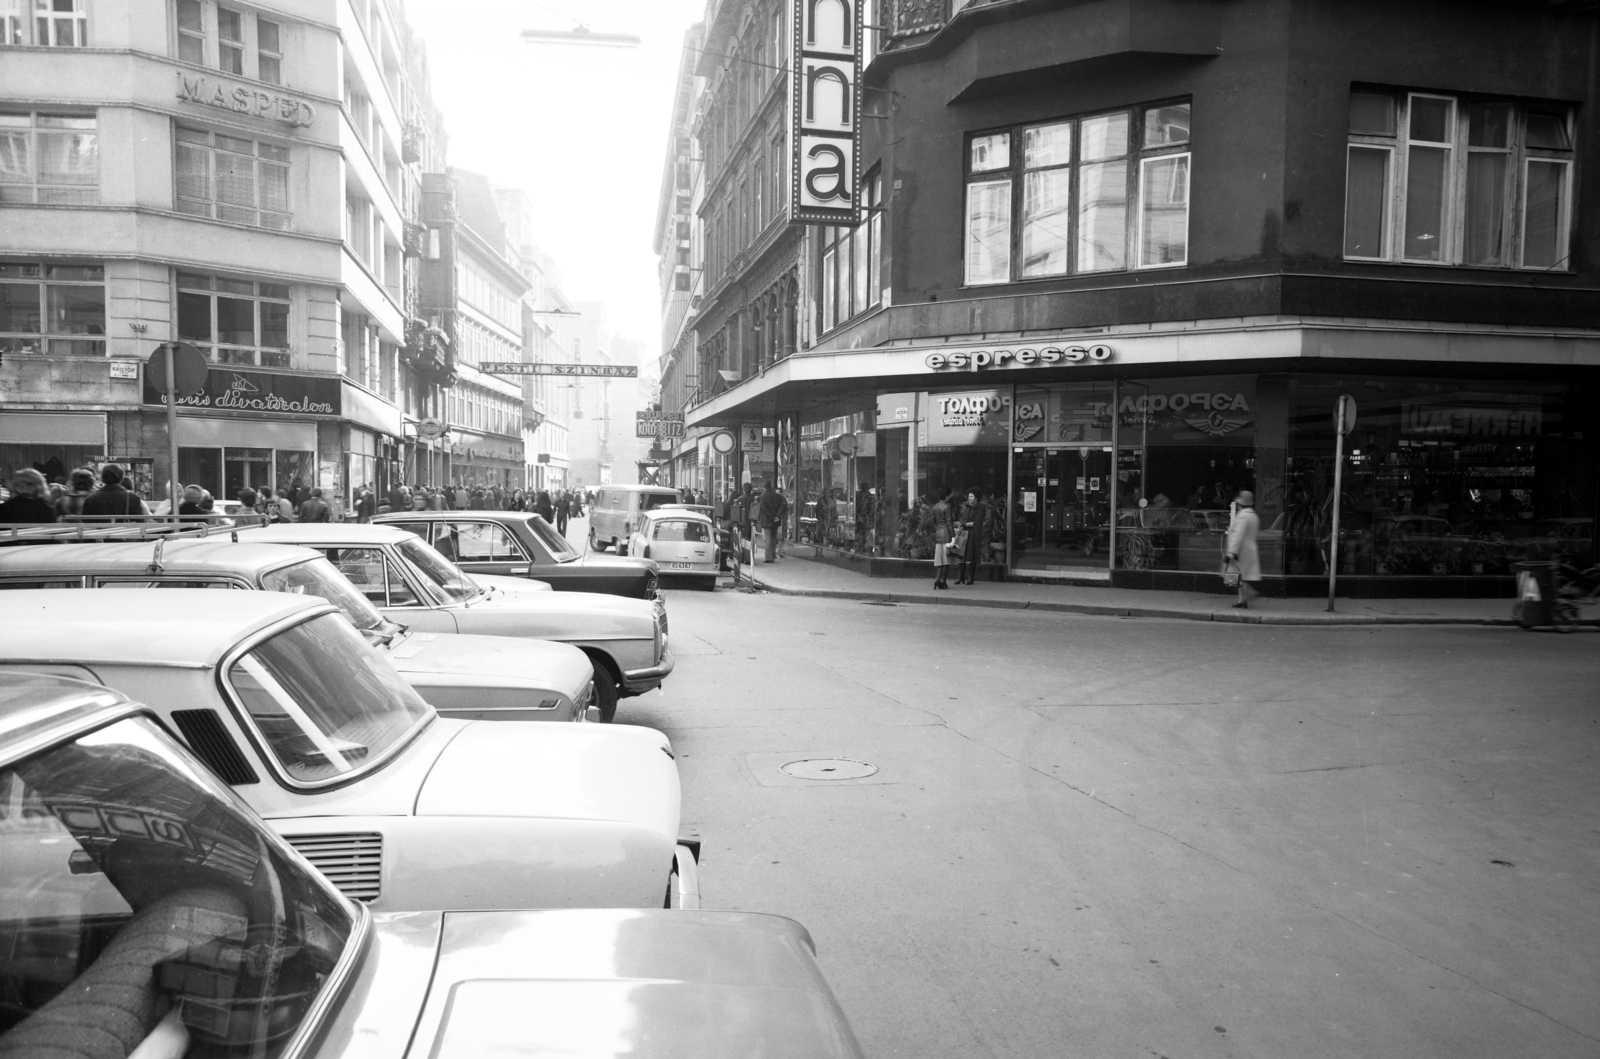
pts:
[234, 178]
[1117, 262]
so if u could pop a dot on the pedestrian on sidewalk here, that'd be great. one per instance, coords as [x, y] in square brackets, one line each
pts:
[943, 531]
[1243, 554]
[744, 515]
[771, 510]
[975, 517]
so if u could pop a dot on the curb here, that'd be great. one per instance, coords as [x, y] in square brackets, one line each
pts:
[1111, 611]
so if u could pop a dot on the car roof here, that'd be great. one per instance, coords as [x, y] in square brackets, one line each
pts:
[139, 626]
[435, 516]
[347, 533]
[34, 703]
[198, 556]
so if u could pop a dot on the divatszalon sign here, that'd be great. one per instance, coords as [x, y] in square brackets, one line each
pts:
[1043, 357]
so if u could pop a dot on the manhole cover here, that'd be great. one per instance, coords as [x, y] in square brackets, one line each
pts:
[828, 768]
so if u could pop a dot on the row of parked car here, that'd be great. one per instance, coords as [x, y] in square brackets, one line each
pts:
[309, 815]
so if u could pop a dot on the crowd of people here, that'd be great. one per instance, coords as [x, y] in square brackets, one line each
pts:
[86, 492]
[555, 507]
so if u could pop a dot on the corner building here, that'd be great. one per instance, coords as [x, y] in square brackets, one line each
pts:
[1118, 260]
[237, 177]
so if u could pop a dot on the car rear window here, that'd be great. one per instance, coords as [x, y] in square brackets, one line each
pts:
[651, 501]
[681, 530]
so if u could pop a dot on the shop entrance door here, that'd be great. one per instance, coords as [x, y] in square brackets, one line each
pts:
[1061, 511]
[245, 469]
[1133, 543]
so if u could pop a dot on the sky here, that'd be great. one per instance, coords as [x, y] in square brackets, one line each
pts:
[582, 129]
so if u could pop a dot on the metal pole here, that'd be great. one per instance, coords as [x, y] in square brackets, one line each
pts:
[172, 428]
[1338, 486]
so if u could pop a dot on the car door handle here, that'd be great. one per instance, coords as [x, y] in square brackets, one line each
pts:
[519, 569]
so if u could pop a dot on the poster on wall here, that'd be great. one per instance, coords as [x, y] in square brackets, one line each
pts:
[968, 419]
[1030, 500]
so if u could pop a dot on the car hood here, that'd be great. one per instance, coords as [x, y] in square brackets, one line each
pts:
[618, 563]
[514, 585]
[620, 774]
[639, 983]
[554, 615]
[492, 661]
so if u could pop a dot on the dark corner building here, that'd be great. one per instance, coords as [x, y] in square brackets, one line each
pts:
[1122, 256]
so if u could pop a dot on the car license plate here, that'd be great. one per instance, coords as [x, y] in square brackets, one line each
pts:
[680, 566]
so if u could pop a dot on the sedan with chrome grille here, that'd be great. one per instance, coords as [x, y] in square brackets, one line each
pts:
[286, 702]
[149, 913]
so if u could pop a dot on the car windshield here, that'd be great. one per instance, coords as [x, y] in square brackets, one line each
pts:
[143, 907]
[551, 539]
[323, 700]
[317, 577]
[440, 572]
[681, 530]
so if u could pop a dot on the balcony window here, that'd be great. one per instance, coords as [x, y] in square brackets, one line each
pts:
[1448, 180]
[49, 158]
[235, 321]
[49, 308]
[232, 40]
[1098, 193]
[227, 178]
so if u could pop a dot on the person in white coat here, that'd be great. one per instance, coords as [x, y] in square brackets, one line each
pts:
[1242, 551]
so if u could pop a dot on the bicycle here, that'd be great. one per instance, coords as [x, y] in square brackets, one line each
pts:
[1575, 591]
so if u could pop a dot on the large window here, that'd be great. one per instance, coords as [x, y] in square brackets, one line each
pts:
[233, 40]
[1447, 180]
[52, 24]
[235, 321]
[58, 309]
[1092, 194]
[229, 179]
[52, 158]
[852, 261]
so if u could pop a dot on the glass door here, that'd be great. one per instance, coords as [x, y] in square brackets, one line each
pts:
[1062, 477]
[1133, 549]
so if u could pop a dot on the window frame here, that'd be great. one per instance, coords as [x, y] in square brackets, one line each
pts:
[214, 205]
[849, 257]
[60, 194]
[43, 339]
[212, 43]
[982, 172]
[1460, 150]
[23, 25]
[183, 283]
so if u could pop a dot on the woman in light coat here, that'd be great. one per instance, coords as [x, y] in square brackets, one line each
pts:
[1242, 551]
[943, 529]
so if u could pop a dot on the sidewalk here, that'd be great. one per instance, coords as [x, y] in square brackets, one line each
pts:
[803, 577]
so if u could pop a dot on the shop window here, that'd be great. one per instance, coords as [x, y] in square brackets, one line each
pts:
[229, 179]
[851, 261]
[1448, 180]
[49, 158]
[235, 321]
[55, 23]
[1099, 193]
[235, 41]
[56, 309]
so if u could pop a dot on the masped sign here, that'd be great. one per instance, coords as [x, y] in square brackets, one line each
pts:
[231, 390]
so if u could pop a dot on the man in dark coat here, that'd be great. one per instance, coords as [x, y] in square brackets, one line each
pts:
[113, 498]
[771, 510]
[315, 509]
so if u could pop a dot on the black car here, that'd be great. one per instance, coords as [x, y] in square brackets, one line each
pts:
[522, 544]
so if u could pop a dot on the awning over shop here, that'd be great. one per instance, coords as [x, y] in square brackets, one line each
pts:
[53, 428]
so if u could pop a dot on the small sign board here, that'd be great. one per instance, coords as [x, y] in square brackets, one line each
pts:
[430, 428]
[658, 424]
[750, 437]
[602, 371]
[124, 369]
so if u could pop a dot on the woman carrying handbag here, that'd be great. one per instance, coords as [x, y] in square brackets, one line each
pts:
[1241, 563]
[943, 531]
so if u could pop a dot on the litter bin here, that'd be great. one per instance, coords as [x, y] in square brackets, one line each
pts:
[1536, 591]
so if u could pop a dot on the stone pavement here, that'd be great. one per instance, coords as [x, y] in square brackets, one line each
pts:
[804, 577]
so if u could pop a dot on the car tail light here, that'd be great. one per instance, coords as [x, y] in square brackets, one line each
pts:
[646, 552]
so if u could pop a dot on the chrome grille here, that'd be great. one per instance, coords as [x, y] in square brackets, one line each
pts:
[352, 862]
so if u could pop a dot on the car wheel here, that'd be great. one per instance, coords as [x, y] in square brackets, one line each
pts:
[711, 584]
[605, 692]
[683, 883]
[620, 547]
[594, 545]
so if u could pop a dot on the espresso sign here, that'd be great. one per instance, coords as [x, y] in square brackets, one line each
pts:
[825, 91]
[231, 390]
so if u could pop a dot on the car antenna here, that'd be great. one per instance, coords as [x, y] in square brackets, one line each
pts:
[155, 560]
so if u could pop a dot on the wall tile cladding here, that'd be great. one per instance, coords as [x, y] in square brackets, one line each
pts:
[1269, 141]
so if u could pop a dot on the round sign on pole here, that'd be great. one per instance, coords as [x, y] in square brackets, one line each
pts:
[724, 442]
[430, 428]
[189, 368]
[1344, 414]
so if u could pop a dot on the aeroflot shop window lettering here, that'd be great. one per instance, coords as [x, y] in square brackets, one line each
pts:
[1100, 193]
[1446, 180]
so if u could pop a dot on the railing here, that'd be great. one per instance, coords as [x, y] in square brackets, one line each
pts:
[113, 528]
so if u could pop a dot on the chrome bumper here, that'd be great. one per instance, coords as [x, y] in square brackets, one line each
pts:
[637, 680]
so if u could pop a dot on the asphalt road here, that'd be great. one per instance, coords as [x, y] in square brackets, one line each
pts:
[1130, 837]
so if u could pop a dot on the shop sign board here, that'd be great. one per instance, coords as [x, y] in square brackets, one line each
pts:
[235, 390]
[124, 369]
[652, 424]
[1473, 415]
[750, 437]
[1024, 357]
[601, 371]
[825, 110]
[244, 99]
[896, 408]
[974, 418]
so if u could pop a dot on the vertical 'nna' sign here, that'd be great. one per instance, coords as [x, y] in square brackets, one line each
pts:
[826, 140]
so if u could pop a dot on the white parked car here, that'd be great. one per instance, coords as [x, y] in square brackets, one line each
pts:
[149, 913]
[681, 541]
[470, 677]
[287, 703]
[410, 583]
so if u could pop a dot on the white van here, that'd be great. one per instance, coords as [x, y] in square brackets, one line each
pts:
[615, 513]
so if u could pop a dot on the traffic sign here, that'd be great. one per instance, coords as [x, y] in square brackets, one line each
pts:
[1344, 414]
[723, 442]
[189, 368]
[603, 371]
[430, 428]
